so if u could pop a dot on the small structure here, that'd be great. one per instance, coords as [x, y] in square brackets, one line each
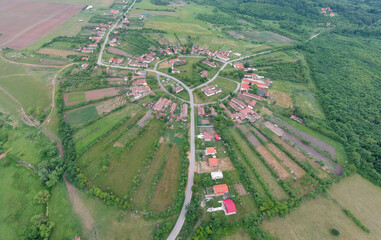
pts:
[229, 206]
[245, 87]
[204, 74]
[178, 89]
[217, 137]
[238, 66]
[175, 70]
[220, 189]
[217, 175]
[210, 151]
[207, 137]
[213, 162]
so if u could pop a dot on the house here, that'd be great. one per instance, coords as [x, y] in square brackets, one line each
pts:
[229, 206]
[111, 60]
[177, 61]
[84, 66]
[184, 111]
[210, 151]
[213, 162]
[140, 82]
[85, 58]
[213, 112]
[252, 104]
[77, 238]
[207, 137]
[251, 76]
[217, 137]
[296, 118]
[209, 63]
[253, 96]
[239, 103]
[238, 66]
[178, 89]
[217, 175]
[141, 73]
[204, 74]
[247, 111]
[173, 107]
[200, 110]
[175, 70]
[245, 87]
[220, 189]
[211, 90]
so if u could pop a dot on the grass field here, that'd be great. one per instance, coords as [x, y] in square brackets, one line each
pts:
[313, 220]
[76, 97]
[362, 198]
[81, 115]
[226, 86]
[18, 186]
[87, 135]
[240, 234]
[61, 213]
[122, 164]
[271, 182]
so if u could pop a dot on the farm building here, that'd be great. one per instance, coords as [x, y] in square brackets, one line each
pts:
[210, 151]
[220, 189]
[207, 137]
[217, 175]
[229, 206]
[213, 162]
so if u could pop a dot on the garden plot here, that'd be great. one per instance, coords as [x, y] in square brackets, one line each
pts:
[78, 97]
[109, 105]
[252, 139]
[224, 164]
[282, 173]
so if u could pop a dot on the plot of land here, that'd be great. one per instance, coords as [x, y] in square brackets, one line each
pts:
[260, 36]
[224, 164]
[282, 173]
[313, 220]
[75, 98]
[24, 22]
[240, 189]
[117, 51]
[109, 105]
[252, 139]
[281, 99]
[81, 115]
[58, 52]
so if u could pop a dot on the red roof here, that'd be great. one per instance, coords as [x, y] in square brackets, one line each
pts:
[211, 150]
[213, 161]
[217, 137]
[229, 205]
[221, 189]
[244, 86]
[207, 136]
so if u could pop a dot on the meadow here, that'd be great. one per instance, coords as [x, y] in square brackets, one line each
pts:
[227, 87]
[81, 115]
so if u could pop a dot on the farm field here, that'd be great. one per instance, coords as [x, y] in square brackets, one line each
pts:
[21, 24]
[240, 234]
[227, 87]
[78, 97]
[270, 181]
[114, 168]
[81, 115]
[87, 135]
[313, 220]
[20, 186]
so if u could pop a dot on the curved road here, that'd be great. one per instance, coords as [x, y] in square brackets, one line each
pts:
[188, 192]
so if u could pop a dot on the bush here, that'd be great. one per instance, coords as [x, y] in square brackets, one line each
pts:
[335, 232]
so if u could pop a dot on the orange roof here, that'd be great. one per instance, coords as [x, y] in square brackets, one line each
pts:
[221, 189]
[213, 161]
[211, 150]
[244, 86]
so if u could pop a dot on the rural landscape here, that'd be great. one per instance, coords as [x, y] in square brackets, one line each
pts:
[197, 119]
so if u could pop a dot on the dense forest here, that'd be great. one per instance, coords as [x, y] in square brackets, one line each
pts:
[344, 62]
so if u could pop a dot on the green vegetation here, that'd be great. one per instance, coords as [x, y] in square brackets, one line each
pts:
[75, 97]
[81, 115]
[227, 87]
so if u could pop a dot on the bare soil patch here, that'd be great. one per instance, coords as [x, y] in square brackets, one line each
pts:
[118, 144]
[282, 173]
[252, 139]
[281, 99]
[58, 52]
[109, 105]
[240, 189]
[117, 51]
[224, 164]
[298, 171]
[277, 130]
[101, 93]
[24, 22]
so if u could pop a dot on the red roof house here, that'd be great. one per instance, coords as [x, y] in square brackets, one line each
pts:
[210, 151]
[244, 87]
[217, 137]
[207, 137]
[229, 206]
[220, 189]
[213, 162]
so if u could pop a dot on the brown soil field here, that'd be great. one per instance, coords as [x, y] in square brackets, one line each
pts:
[282, 99]
[115, 81]
[252, 139]
[298, 171]
[117, 51]
[282, 173]
[277, 130]
[109, 105]
[258, 133]
[298, 155]
[224, 164]
[101, 93]
[24, 22]
[240, 189]
[166, 189]
[143, 121]
[58, 52]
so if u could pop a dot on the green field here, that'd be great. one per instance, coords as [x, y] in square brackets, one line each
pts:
[89, 134]
[240, 234]
[115, 167]
[227, 87]
[81, 115]
[76, 97]
[18, 186]
[61, 213]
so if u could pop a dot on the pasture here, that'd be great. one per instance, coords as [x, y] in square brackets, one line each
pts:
[81, 115]
[227, 87]
[24, 22]
[114, 168]
[18, 186]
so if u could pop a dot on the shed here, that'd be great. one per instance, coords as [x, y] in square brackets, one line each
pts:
[217, 175]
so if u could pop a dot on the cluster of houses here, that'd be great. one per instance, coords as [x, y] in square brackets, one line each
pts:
[166, 109]
[240, 66]
[210, 63]
[143, 60]
[116, 60]
[254, 79]
[326, 11]
[124, 23]
[211, 90]
[218, 54]
[227, 204]
[113, 41]
[172, 50]
[241, 108]
[177, 62]
[210, 111]
[139, 87]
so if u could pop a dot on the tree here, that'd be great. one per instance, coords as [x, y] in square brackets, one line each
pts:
[169, 70]
[41, 197]
[335, 232]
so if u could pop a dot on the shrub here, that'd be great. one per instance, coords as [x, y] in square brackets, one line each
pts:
[335, 232]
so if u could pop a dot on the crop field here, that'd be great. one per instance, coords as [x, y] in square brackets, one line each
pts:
[20, 186]
[115, 168]
[21, 24]
[314, 219]
[74, 98]
[362, 198]
[61, 212]
[227, 87]
[281, 99]
[282, 173]
[58, 52]
[166, 189]
[81, 115]
[270, 181]
[87, 135]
